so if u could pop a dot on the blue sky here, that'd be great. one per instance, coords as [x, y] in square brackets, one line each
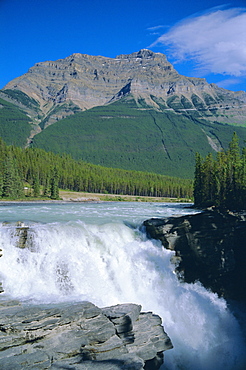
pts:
[204, 38]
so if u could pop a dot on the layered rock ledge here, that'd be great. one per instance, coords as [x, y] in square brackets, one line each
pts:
[80, 336]
[209, 246]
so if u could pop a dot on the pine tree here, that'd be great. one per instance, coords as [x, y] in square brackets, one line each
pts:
[233, 170]
[36, 185]
[242, 193]
[46, 186]
[2, 157]
[54, 190]
[12, 186]
[220, 179]
[198, 180]
[222, 182]
[208, 183]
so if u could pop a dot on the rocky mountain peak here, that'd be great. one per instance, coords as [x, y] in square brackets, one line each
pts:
[86, 81]
[143, 54]
[90, 81]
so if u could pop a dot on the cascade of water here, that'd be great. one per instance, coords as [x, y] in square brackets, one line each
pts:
[113, 263]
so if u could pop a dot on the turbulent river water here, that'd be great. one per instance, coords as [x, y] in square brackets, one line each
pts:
[99, 252]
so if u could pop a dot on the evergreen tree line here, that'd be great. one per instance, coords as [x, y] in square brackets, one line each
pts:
[221, 182]
[46, 172]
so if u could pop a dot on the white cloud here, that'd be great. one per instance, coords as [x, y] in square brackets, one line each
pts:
[215, 41]
[156, 28]
[229, 82]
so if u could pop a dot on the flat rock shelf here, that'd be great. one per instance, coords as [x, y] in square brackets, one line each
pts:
[80, 336]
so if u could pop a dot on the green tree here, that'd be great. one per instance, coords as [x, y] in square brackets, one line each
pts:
[233, 171]
[198, 180]
[54, 190]
[12, 186]
[30, 163]
[222, 182]
[46, 186]
[220, 178]
[242, 192]
[36, 185]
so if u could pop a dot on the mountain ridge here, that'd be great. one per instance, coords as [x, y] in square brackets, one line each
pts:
[83, 105]
[87, 81]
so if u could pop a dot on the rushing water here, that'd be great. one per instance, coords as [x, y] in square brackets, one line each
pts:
[98, 252]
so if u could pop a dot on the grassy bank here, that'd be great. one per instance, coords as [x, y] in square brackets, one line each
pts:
[83, 197]
[73, 196]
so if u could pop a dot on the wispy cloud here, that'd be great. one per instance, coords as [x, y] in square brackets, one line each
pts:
[215, 41]
[229, 82]
[155, 28]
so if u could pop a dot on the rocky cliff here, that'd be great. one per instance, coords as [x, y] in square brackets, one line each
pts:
[209, 247]
[80, 336]
[83, 81]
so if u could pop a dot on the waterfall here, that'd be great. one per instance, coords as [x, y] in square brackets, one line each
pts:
[113, 263]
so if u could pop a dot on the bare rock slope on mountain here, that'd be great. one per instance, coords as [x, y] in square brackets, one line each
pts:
[134, 112]
[85, 81]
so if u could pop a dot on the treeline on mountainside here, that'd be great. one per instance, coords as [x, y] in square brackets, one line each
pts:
[131, 135]
[46, 172]
[15, 124]
[221, 182]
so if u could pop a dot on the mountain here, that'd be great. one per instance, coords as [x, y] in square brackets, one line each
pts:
[134, 111]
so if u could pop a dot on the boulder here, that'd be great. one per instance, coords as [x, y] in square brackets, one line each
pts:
[209, 247]
[80, 336]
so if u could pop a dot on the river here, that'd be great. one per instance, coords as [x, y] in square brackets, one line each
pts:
[99, 252]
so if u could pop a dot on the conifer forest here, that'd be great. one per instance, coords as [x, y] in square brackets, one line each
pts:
[221, 182]
[33, 172]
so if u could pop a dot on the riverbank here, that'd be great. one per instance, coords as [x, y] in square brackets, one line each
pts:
[72, 196]
[82, 196]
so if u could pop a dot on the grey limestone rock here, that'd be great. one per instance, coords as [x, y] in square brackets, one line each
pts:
[209, 247]
[81, 81]
[80, 336]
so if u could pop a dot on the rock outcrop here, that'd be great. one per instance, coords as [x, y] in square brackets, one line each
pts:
[209, 246]
[80, 336]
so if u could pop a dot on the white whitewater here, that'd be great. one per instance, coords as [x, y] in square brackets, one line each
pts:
[96, 252]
